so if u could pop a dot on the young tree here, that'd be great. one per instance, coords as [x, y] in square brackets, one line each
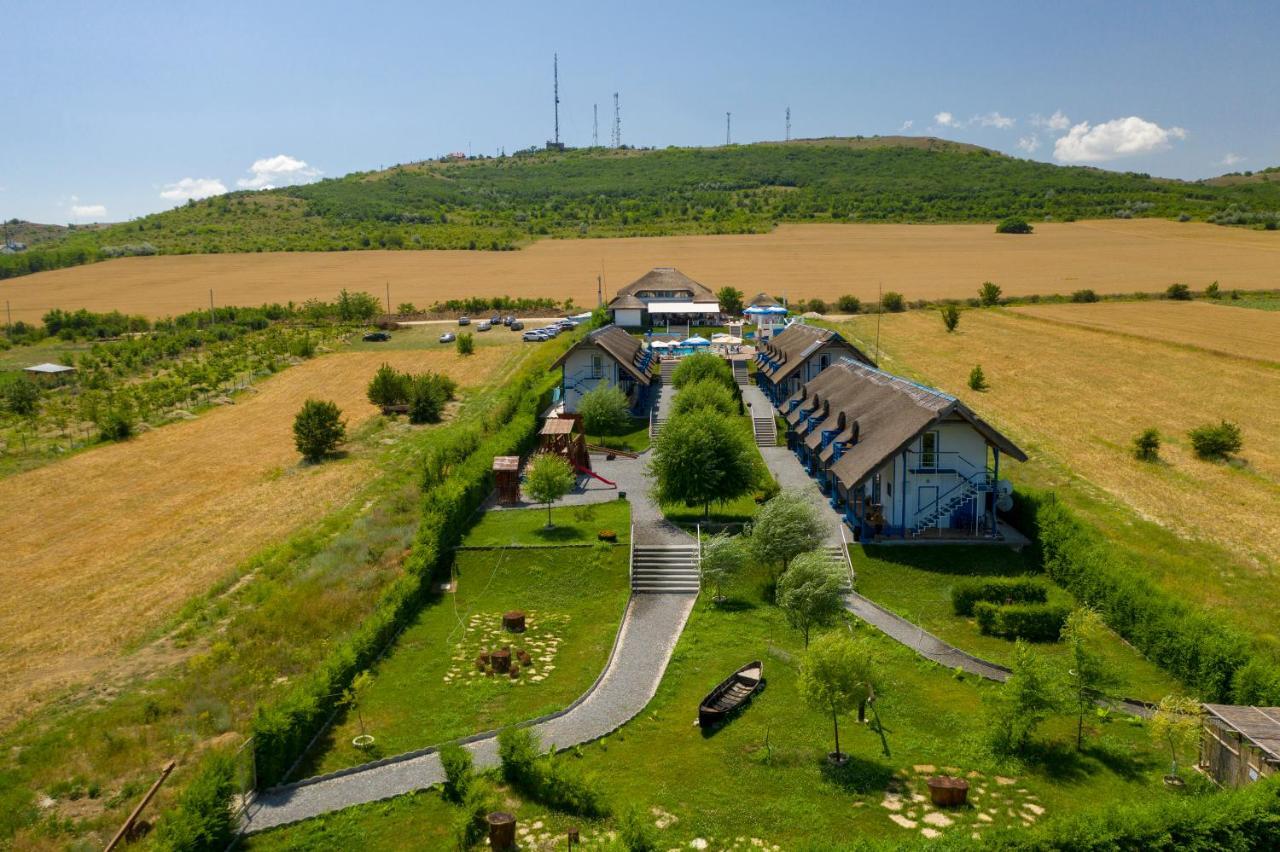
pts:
[723, 556]
[549, 479]
[703, 366]
[811, 592]
[1146, 445]
[428, 393]
[950, 317]
[1026, 699]
[20, 396]
[730, 299]
[318, 429]
[989, 294]
[604, 410]
[849, 304]
[388, 387]
[836, 676]
[701, 458]
[1090, 677]
[1216, 441]
[785, 527]
[977, 378]
[354, 694]
[466, 343]
[1175, 725]
[705, 393]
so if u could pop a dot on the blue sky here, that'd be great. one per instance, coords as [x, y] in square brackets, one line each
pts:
[115, 110]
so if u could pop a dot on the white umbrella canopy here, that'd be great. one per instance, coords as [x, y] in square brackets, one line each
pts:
[721, 337]
[696, 340]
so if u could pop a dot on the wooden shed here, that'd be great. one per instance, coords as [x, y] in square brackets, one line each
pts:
[506, 475]
[1240, 744]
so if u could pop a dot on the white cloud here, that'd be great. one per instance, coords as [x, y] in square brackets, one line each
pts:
[1231, 160]
[1120, 137]
[906, 125]
[993, 119]
[946, 119]
[189, 188]
[84, 211]
[280, 170]
[1057, 121]
[1029, 143]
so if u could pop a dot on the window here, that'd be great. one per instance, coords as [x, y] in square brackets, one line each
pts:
[824, 362]
[597, 366]
[929, 450]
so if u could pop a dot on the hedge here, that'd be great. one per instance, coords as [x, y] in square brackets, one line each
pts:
[202, 820]
[1019, 590]
[1215, 660]
[1035, 622]
[459, 479]
[1234, 821]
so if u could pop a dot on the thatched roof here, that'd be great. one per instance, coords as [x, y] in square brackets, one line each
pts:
[620, 346]
[764, 300]
[668, 279]
[787, 350]
[625, 301]
[1259, 725]
[881, 414]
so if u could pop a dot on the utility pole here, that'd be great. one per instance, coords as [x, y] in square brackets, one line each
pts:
[212, 317]
[879, 313]
[727, 117]
[599, 290]
[595, 125]
[617, 123]
[9, 311]
[556, 91]
[388, 298]
[788, 124]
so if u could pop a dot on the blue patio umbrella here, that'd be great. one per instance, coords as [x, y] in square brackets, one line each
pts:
[773, 310]
[695, 341]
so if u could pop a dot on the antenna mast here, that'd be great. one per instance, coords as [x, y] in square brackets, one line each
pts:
[617, 123]
[556, 90]
[788, 124]
[595, 125]
[727, 117]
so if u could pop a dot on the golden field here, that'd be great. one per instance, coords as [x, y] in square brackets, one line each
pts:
[1074, 397]
[799, 261]
[104, 546]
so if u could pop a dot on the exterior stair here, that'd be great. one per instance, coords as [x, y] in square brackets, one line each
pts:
[840, 558]
[655, 426]
[766, 429]
[740, 373]
[668, 367]
[966, 492]
[665, 568]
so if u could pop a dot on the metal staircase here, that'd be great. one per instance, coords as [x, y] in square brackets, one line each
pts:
[966, 491]
[665, 568]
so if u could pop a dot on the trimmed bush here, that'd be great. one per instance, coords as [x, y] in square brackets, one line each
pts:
[1209, 657]
[966, 593]
[1032, 622]
[458, 771]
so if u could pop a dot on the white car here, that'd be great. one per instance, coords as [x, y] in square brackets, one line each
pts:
[535, 336]
[483, 325]
[448, 337]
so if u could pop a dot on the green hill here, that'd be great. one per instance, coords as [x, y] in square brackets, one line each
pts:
[502, 203]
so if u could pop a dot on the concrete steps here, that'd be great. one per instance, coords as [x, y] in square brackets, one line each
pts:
[766, 430]
[665, 568]
[838, 556]
[668, 367]
[740, 374]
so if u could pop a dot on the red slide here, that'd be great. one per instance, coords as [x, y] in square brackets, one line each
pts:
[590, 472]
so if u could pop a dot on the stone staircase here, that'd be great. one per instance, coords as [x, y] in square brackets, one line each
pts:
[740, 373]
[839, 557]
[668, 367]
[765, 429]
[665, 568]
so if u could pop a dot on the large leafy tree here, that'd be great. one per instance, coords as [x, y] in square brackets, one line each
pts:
[549, 478]
[811, 592]
[702, 366]
[836, 676]
[318, 429]
[1090, 678]
[604, 410]
[705, 393]
[723, 557]
[701, 458]
[785, 527]
[730, 299]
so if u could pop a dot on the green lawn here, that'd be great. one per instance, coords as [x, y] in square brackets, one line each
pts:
[916, 582]
[572, 525]
[428, 689]
[763, 775]
[634, 440]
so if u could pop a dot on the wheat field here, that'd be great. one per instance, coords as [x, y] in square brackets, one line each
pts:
[102, 547]
[1074, 397]
[798, 261]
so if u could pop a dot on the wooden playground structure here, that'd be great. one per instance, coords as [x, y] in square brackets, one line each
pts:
[561, 436]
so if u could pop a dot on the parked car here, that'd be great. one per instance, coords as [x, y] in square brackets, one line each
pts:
[448, 337]
[464, 320]
[508, 319]
[516, 325]
[495, 319]
[534, 336]
[483, 325]
[376, 337]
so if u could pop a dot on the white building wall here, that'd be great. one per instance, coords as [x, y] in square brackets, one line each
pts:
[578, 374]
[628, 317]
[961, 449]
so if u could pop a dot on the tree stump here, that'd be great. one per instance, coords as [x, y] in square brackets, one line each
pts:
[948, 792]
[502, 830]
[501, 660]
[513, 622]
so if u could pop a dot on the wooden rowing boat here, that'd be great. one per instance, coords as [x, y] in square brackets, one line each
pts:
[730, 694]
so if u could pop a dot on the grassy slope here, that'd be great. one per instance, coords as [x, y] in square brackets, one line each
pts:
[501, 203]
[572, 525]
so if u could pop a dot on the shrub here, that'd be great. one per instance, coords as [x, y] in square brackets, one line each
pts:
[966, 593]
[458, 771]
[116, 424]
[604, 410]
[950, 317]
[202, 820]
[1213, 291]
[318, 429]
[989, 294]
[635, 833]
[1216, 441]
[704, 366]
[1013, 225]
[1146, 445]
[388, 387]
[547, 779]
[818, 306]
[302, 346]
[893, 302]
[471, 824]
[705, 394]
[977, 378]
[428, 394]
[1024, 701]
[849, 304]
[19, 396]
[1084, 296]
[1032, 622]
[1179, 293]
[466, 343]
